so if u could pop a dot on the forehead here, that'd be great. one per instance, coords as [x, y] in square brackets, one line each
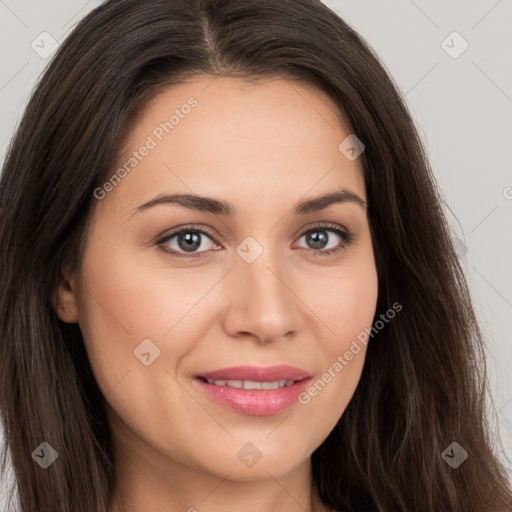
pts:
[247, 142]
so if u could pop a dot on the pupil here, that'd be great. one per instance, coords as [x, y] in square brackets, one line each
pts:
[191, 239]
[317, 239]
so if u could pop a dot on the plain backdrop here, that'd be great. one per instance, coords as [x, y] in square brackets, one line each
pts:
[452, 61]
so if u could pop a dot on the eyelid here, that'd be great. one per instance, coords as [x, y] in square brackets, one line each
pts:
[346, 236]
[188, 227]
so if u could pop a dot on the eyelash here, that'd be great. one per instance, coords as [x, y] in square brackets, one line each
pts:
[346, 236]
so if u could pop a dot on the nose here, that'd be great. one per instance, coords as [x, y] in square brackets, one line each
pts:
[262, 301]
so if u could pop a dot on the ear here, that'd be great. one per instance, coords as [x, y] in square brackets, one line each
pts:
[65, 302]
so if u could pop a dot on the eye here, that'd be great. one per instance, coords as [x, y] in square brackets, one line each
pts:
[324, 244]
[190, 241]
[187, 241]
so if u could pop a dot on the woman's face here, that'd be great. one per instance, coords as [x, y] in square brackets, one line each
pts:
[259, 288]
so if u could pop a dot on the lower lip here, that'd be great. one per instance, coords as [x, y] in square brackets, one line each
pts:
[261, 402]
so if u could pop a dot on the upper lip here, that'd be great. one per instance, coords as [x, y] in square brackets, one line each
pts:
[257, 373]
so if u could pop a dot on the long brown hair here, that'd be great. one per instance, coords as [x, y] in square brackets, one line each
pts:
[424, 382]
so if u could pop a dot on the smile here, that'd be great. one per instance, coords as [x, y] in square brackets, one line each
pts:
[251, 384]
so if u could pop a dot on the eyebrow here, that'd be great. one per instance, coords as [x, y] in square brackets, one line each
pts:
[211, 205]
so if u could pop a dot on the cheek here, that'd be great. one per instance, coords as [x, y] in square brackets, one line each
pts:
[354, 309]
[349, 302]
[348, 308]
[128, 298]
[129, 308]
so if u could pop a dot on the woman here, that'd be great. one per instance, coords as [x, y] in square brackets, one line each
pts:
[227, 277]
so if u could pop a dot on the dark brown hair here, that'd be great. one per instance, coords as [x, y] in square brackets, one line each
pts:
[424, 381]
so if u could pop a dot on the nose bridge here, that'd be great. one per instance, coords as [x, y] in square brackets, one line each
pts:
[263, 302]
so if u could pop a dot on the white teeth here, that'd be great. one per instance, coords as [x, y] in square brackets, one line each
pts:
[234, 383]
[251, 384]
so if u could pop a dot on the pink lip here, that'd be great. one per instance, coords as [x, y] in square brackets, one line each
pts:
[262, 402]
[257, 373]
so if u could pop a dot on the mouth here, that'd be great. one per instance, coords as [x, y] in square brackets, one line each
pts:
[254, 390]
[251, 384]
[256, 374]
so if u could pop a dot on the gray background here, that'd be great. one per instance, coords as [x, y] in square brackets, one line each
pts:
[462, 107]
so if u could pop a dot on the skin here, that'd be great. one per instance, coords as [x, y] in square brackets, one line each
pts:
[263, 147]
